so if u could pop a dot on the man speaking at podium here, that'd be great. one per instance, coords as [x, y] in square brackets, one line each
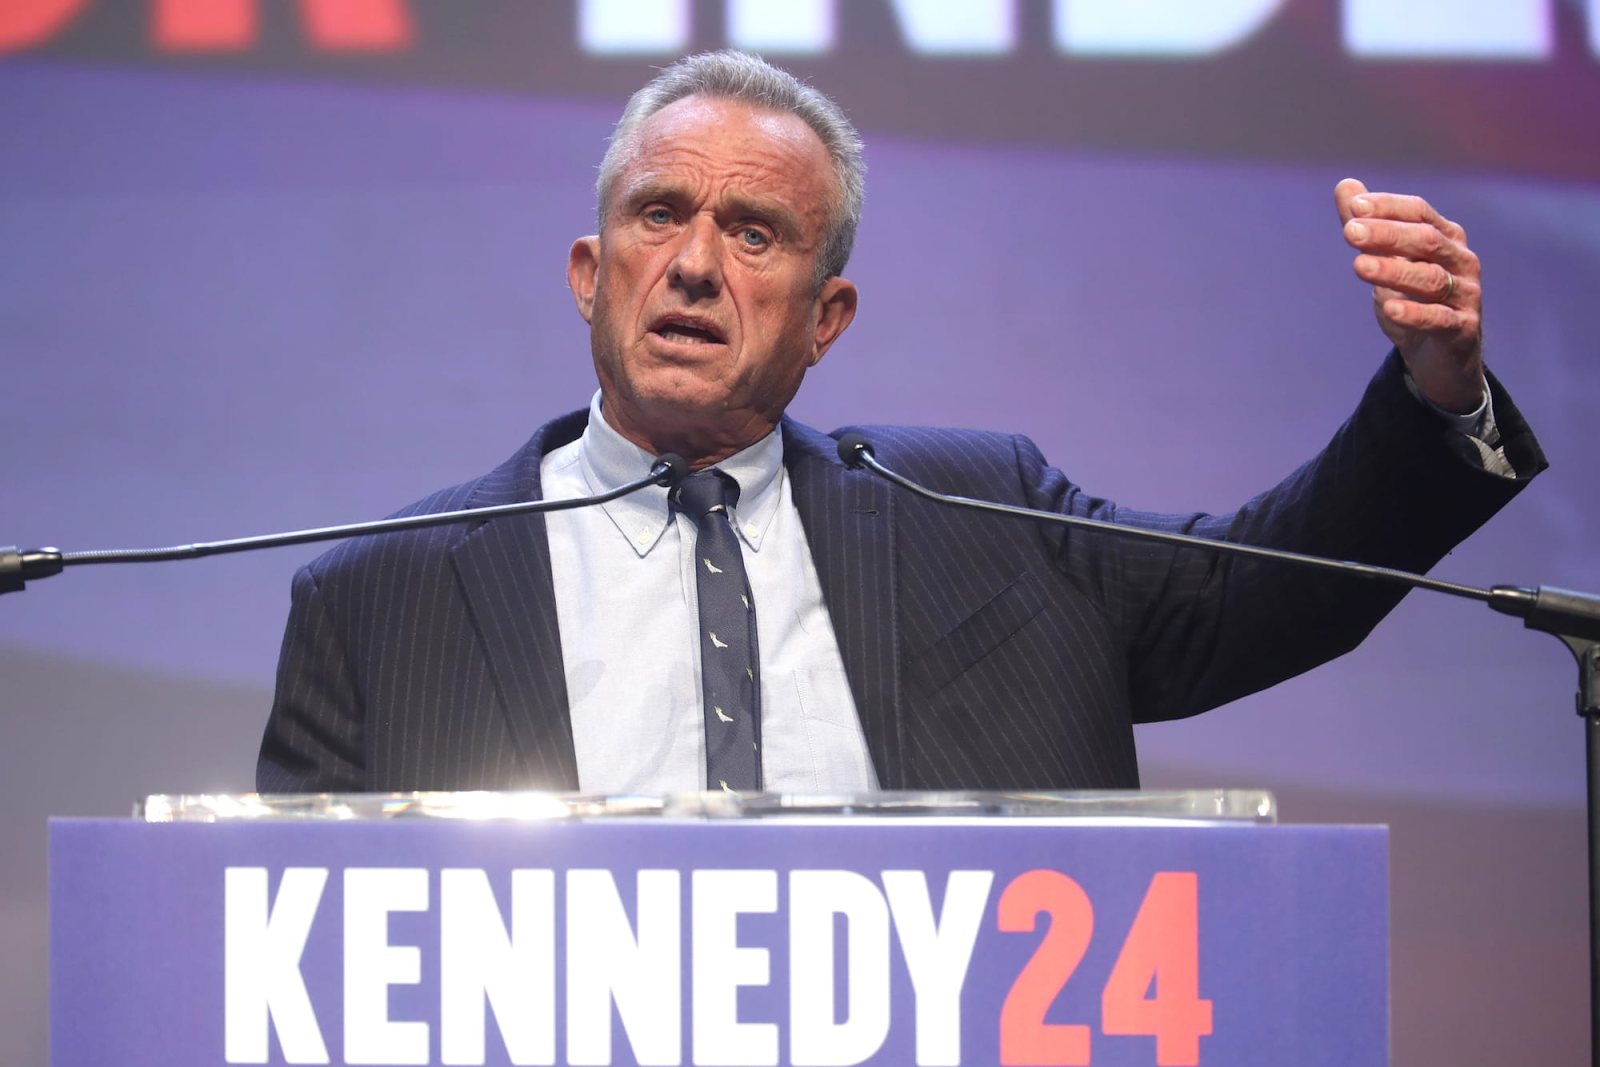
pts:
[780, 622]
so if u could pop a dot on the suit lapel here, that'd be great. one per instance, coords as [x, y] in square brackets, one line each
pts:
[504, 570]
[849, 520]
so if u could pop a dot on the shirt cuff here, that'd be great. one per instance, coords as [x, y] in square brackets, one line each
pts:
[1478, 426]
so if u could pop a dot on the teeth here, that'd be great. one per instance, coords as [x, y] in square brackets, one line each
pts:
[684, 338]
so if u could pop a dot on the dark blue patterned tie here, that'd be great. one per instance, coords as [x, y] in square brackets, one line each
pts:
[730, 668]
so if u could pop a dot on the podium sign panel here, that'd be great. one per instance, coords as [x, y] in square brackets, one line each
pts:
[825, 939]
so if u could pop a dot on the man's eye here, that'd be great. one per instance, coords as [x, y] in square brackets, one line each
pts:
[752, 237]
[660, 216]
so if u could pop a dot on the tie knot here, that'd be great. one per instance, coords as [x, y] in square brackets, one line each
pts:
[700, 494]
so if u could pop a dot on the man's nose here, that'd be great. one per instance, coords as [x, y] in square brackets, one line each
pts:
[697, 267]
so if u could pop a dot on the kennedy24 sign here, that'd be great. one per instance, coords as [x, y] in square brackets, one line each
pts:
[637, 965]
[717, 943]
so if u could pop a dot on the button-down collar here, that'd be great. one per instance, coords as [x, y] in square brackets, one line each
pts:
[608, 459]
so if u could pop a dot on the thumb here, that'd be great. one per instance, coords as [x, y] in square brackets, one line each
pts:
[1346, 191]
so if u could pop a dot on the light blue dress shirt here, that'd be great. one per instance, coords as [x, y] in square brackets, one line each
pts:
[627, 606]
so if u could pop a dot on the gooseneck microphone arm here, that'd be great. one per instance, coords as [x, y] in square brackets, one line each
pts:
[1572, 617]
[1542, 608]
[19, 566]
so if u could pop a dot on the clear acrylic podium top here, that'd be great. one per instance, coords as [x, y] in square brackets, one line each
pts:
[1188, 808]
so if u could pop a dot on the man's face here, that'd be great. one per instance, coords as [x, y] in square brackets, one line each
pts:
[699, 294]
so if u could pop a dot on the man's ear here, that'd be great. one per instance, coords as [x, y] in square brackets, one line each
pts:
[583, 263]
[834, 310]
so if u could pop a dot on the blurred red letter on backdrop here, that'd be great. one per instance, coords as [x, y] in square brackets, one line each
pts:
[332, 25]
[25, 23]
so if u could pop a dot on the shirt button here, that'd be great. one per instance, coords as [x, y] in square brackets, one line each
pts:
[644, 537]
[750, 530]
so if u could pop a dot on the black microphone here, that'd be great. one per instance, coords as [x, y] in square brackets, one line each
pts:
[1567, 614]
[19, 566]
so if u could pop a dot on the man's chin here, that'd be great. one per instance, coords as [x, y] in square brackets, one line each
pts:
[682, 393]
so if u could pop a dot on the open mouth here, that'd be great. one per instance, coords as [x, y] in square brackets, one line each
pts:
[682, 331]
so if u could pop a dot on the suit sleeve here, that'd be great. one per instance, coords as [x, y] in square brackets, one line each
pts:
[1396, 486]
[314, 736]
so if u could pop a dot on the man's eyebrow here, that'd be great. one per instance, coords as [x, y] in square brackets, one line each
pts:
[646, 191]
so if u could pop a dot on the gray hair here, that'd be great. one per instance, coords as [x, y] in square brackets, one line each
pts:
[740, 76]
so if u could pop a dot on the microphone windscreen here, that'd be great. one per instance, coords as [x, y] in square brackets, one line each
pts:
[851, 446]
[669, 469]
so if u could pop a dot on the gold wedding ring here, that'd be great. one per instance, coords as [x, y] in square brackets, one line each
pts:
[1451, 290]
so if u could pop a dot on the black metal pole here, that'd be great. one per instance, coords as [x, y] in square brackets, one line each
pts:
[1588, 654]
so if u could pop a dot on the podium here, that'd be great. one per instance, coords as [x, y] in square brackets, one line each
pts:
[1104, 929]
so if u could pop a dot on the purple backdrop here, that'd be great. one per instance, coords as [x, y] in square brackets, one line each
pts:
[236, 304]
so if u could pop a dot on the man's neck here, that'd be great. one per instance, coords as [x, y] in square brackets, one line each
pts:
[701, 443]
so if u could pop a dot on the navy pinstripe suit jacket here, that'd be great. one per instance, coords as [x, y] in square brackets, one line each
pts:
[983, 653]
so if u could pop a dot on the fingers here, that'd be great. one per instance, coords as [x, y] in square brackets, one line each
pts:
[1420, 281]
[1408, 321]
[1395, 224]
[1403, 208]
[1411, 240]
[1453, 324]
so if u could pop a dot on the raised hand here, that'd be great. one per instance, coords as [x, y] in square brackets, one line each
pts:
[1426, 289]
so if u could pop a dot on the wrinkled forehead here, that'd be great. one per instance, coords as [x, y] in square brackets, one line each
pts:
[709, 145]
